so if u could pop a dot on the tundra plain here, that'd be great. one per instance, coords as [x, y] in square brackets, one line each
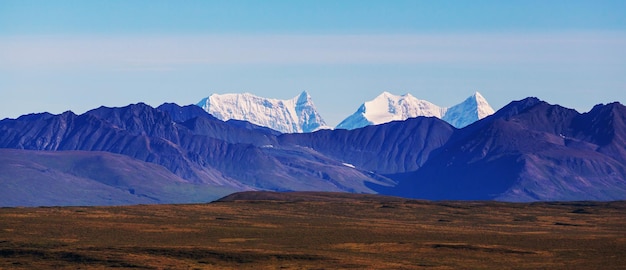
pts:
[311, 230]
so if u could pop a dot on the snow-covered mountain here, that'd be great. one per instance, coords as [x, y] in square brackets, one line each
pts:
[388, 107]
[294, 115]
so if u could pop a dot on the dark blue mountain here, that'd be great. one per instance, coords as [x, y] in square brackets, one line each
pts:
[528, 151]
[184, 113]
[604, 126]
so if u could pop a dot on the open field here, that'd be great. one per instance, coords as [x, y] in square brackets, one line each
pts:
[317, 231]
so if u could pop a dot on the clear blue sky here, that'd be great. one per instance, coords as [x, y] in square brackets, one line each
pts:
[77, 55]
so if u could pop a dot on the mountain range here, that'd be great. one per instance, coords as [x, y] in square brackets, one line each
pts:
[527, 151]
[299, 114]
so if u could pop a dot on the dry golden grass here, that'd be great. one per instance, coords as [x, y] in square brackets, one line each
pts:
[344, 231]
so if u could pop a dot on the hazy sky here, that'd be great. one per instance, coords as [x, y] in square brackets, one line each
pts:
[77, 55]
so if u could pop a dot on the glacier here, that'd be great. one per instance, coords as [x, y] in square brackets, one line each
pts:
[388, 107]
[296, 115]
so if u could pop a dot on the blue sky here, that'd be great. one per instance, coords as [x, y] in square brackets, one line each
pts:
[77, 55]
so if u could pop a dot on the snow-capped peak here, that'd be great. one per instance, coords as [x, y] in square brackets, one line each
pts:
[484, 109]
[469, 111]
[288, 116]
[388, 107]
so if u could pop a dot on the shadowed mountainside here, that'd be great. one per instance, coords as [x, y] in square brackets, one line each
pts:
[394, 147]
[34, 178]
[529, 150]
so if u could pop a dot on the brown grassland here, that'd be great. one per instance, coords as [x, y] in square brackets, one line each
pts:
[317, 231]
